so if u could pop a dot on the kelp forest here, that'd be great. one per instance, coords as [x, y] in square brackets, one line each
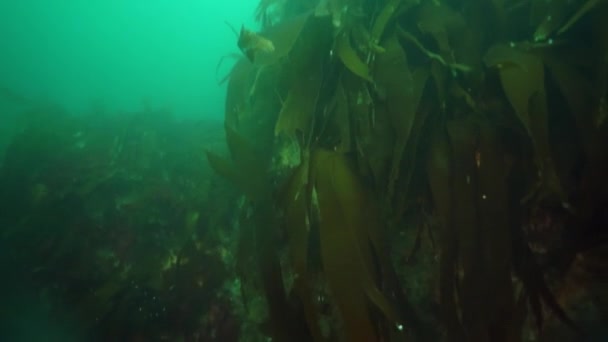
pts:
[387, 170]
[422, 170]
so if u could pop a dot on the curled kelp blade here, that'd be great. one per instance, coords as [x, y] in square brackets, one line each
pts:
[252, 44]
[269, 46]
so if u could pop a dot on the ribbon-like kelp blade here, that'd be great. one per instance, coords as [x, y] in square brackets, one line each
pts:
[577, 92]
[495, 235]
[420, 77]
[403, 94]
[346, 255]
[472, 294]
[349, 56]
[299, 107]
[382, 19]
[341, 118]
[440, 170]
[296, 202]
[522, 76]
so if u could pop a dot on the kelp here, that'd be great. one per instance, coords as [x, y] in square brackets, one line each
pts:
[557, 17]
[336, 9]
[345, 218]
[439, 171]
[341, 119]
[239, 81]
[522, 75]
[350, 57]
[372, 134]
[298, 108]
[253, 44]
[296, 197]
[352, 88]
[548, 17]
[402, 93]
[253, 183]
[283, 36]
[304, 74]
[247, 173]
[577, 92]
[433, 56]
[386, 14]
[420, 77]
[440, 21]
[325, 184]
[468, 178]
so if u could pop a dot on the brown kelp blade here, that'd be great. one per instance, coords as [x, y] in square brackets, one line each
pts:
[346, 251]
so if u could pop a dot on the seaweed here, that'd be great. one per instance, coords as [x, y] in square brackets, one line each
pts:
[375, 142]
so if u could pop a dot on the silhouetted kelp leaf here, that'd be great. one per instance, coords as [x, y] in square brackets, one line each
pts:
[245, 170]
[439, 20]
[283, 36]
[556, 17]
[349, 56]
[341, 118]
[249, 175]
[494, 233]
[547, 16]
[382, 19]
[439, 77]
[472, 294]
[346, 251]
[439, 167]
[522, 76]
[536, 289]
[403, 92]
[239, 84]
[577, 92]
[408, 164]
[468, 178]
[586, 7]
[296, 201]
[224, 168]
[372, 133]
[299, 106]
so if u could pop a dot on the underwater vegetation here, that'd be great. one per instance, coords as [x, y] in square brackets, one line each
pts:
[387, 170]
[105, 232]
[422, 170]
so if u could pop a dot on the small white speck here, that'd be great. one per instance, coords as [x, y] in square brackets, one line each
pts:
[400, 327]
[483, 196]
